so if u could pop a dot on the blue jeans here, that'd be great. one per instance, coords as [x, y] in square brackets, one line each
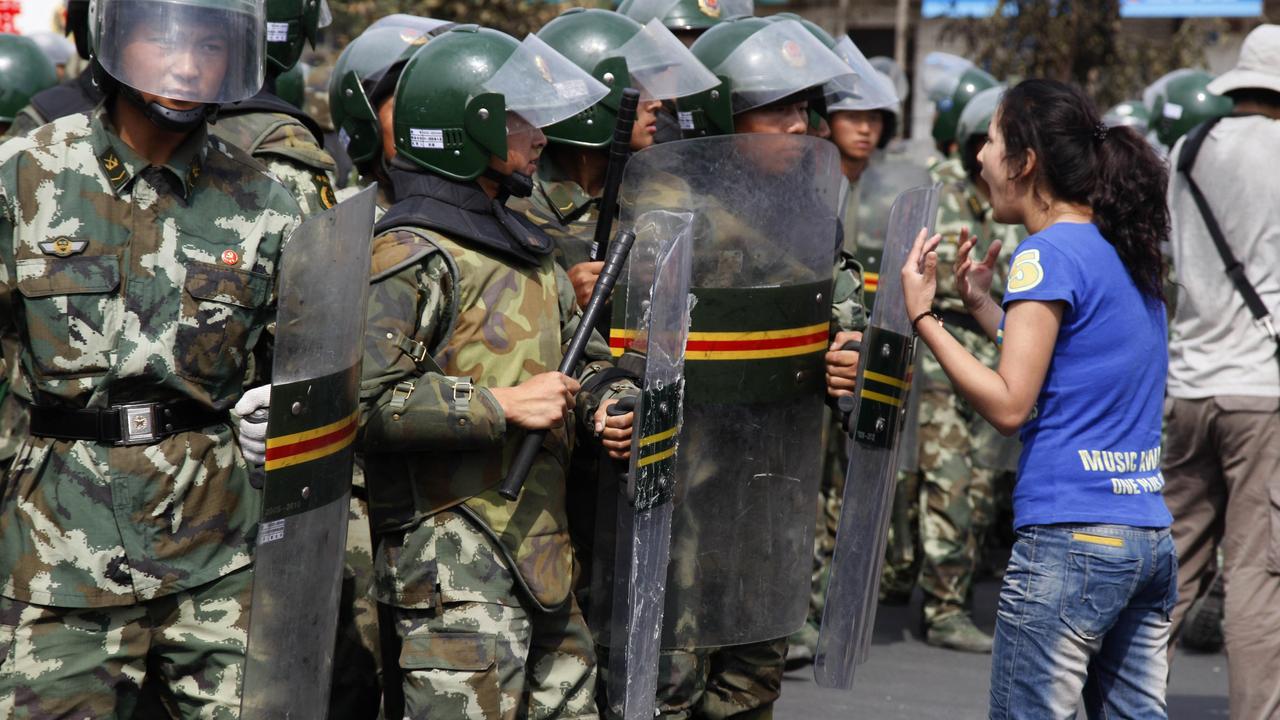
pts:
[1084, 611]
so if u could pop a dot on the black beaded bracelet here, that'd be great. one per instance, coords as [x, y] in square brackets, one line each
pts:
[923, 315]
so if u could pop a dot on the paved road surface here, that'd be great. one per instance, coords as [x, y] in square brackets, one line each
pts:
[908, 680]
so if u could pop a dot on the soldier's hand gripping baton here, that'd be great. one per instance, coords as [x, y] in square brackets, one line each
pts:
[621, 247]
[619, 151]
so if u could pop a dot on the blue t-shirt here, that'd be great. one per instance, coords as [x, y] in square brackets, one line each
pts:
[1091, 448]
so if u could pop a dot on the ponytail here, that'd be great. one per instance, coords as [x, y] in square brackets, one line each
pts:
[1114, 171]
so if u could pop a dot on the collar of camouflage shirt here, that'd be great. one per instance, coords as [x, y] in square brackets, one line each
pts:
[121, 165]
[564, 197]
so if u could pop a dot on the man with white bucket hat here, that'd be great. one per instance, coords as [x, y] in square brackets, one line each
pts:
[1222, 416]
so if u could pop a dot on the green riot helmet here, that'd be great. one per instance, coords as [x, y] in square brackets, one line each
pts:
[353, 104]
[950, 82]
[866, 89]
[686, 15]
[26, 71]
[193, 51]
[620, 53]
[78, 25]
[974, 125]
[290, 25]
[817, 105]
[454, 95]
[290, 85]
[889, 68]
[1184, 103]
[1130, 113]
[758, 63]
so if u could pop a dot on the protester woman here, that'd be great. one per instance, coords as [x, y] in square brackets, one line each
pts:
[1085, 605]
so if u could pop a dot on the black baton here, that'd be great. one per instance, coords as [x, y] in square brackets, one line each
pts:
[618, 251]
[619, 151]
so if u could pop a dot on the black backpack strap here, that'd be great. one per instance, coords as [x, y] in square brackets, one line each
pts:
[1235, 270]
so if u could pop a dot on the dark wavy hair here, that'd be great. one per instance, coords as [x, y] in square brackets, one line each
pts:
[1114, 171]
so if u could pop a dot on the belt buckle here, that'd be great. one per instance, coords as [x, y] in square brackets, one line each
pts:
[138, 423]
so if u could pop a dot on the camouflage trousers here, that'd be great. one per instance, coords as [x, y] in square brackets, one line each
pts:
[13, 425]
[58, 662]
[356, 690]
[740, 681]
[955, 504]
[500, 659]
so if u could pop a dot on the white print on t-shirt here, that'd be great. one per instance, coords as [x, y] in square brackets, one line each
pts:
[1026, 272]
[1120, 461]
[1126, 461]
[1137, 486]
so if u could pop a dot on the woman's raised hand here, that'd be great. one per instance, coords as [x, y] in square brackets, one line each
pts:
[973, 279]
[920, 274]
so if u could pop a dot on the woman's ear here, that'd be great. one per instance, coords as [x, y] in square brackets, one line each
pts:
[1028, 168]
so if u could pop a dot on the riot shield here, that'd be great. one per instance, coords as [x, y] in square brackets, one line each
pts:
[884, 379]
[656, 304]
[765, 235]
[313, 417]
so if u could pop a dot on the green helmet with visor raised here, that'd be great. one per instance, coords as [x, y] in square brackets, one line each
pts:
[758, 63]
[951, 82]
[974, 125]
[26, 71]
[1181, 100]
[686, 15]
[866, 89]
[460, 95]
[208, 52]
[291, 24]
[620, 53]
[357, 87]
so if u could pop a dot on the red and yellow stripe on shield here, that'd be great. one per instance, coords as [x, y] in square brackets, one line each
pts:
[288, 450]
[754, 345]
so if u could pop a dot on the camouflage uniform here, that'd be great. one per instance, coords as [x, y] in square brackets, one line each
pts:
[147, 545]
[480, 586]
[288, 148]
[957, 448]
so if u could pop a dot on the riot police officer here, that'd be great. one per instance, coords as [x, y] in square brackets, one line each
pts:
[466, 319]
[139, 255]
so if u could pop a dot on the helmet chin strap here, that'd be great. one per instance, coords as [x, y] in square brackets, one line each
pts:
[168, 119]
[516, 184]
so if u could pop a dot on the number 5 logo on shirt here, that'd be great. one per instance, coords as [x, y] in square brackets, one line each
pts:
[1026, 272]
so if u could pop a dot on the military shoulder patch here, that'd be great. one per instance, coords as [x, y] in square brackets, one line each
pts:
[325, 190]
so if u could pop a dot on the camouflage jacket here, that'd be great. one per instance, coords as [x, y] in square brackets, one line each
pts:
[448, 319]
[128, 282]
[564, 211]
[288, 149]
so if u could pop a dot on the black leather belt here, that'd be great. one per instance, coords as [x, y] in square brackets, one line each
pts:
[132, 424]
[962, 320]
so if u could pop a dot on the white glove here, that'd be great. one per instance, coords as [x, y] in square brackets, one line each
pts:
[253, 431]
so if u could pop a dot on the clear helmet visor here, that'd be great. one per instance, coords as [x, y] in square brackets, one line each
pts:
[642, 11]
[865, 89]
[193, 51]
[325, 19]
[661, 67]
[422, 25]
[542, 86]
[780, 59]
[942, 73]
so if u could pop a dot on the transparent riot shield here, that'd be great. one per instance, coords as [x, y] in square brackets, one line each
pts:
[765, 236]
[656, 304]
[314, 412]
[884, 379]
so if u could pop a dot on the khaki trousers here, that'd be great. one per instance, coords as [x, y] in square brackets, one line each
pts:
[1222, 485]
